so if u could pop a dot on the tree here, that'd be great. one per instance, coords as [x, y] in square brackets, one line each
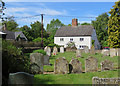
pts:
[85, 23]
[114, 26]
[11, 24]
[100, 25]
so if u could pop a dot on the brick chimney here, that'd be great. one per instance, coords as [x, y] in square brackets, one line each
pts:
[74, 22]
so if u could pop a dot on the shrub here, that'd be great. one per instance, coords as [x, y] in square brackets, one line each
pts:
[40, 51]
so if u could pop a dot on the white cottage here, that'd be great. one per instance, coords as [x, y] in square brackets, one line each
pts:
[81, 35]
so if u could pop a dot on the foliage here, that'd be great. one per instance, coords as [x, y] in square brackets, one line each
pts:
[40, 51]
[12, 60]
[100, 25]
[85, 23]
[114, 26]
[70, 44]
[11, 24]
[93, 41]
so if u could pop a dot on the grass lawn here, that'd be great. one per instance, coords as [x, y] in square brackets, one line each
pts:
[82, 78]
[70, 55]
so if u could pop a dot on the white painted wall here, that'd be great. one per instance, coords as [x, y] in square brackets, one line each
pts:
[86, 42]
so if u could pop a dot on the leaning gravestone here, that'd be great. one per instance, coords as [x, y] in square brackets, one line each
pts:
[37, 61]
[105, 52]
[91, 64]
[75, 66]
[78, 53]
[61, 66]
[86, 49]
[21, 79]
[61, 49]
[92, 50]
[47, 50]
[55, 50]
[106, 65]
[46, 60]
[113, 52]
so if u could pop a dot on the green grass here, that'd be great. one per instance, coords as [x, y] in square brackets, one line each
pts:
[69, 55]
[82, 78]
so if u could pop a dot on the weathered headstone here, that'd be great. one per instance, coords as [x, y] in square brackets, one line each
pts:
[113, 52]
[86, 49]
[61, 66]
[38, 60]
[92, 50]
[47, 50]
[106, 65]
[75, 66]
[55, 50]
[105, 52]
[46, 60]
[21, 78]
[78, 53]
[105, 81]
[61, 49]
[91, 64]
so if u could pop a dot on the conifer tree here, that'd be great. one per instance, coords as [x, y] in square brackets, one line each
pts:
[114, 26]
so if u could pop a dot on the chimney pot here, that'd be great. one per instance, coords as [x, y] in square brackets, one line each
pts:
[74, 22]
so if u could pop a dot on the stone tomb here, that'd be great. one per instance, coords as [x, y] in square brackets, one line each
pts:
[92, 50]
[37, 63]
[55, 50]
[47, 50]
[78, 53]
[96, 81]
[75, 66]
[21, 78]
[61, 49]
[106, 65]
[61, 66]
[91, 64]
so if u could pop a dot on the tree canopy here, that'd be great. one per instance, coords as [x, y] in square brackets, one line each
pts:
[114, 26]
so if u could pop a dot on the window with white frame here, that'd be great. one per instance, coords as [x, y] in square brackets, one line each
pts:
[71, 39]
[61, 39]
[81, 39]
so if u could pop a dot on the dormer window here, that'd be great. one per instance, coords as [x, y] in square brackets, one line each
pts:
[71, 39]
[61, 39]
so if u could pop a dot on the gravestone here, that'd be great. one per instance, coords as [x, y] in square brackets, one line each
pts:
[86, 49]
[96, 81]
[118, 51]
[75, 66]
[55, 50]
[105, 52]
[106, 65]
[82, 50]
[47, 50]
[113, 52]
[61, 66]
[98, 51]
[78, 53]
[61, 49]
[91, 64]
[92, 50]
[21, 78]
[46, 60]
[37, 61]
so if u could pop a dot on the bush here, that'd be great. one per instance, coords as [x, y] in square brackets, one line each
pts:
[13, 60]
[40, 51]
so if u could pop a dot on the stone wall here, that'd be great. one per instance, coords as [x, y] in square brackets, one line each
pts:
[108, 81]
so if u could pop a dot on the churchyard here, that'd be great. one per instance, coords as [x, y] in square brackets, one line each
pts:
[85, 66]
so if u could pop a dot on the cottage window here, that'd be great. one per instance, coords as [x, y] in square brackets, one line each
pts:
[81, 39]
[61, 39]
[71, 39]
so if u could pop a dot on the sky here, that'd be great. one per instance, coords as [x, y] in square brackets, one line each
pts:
[64, 11]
